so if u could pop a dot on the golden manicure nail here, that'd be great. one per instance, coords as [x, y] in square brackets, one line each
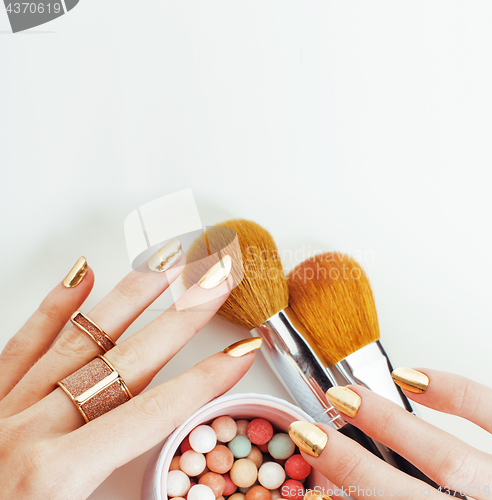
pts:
[216, 274]
[344, 400]
[76, 274]
[410, 380]
[315, 495]
[243, 347]
[308, 437]
[166, 257]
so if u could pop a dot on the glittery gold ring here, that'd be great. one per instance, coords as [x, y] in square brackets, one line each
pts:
[96, 388]
[97, 334]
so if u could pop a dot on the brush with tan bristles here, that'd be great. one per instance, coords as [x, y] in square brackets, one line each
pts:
[259, 303]
[332, 301]
[331, 297]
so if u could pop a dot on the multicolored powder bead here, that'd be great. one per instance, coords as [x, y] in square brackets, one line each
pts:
[225, 428]
[240, 446]
[237, 496]
[192, 463]
[200, 492]
[230, 487]
[220, 459]
[244, 473]
[281, 446]
[242, 427]
[203, 439]
[215, 482]
[258, 493]
[256, 456]
[259, 431]
[178, 483]
[297, 468]
[292, 489]
[271, 475]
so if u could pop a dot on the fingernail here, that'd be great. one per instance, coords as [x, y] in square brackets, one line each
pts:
[410, 380]
[243, 347]
[315, 495]
[216, 274]
[166, 257]
[308, 437]
[344, 400]
[76, 274]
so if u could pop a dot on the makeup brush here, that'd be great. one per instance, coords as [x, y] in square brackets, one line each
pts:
[332, 298]
[259, 304]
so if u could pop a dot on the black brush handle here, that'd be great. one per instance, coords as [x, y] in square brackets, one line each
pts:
[389, 456]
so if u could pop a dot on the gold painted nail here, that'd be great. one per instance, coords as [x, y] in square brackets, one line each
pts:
[217, 273]
[76, 274]
[166, 257]
[344, 400]
[243, 347]
[315, 495]
[308, 437]
[410, 380]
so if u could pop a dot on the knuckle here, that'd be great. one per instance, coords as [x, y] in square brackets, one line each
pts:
[348, 470]
[16, 346]
[128, 288]
[50, 309]
[128, 356]
[160, 406]
[74, 343]
[386, 419]
[463, 398]
[453, 468]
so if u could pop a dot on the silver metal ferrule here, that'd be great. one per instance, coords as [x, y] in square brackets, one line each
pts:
[298, 368]
[371, 367]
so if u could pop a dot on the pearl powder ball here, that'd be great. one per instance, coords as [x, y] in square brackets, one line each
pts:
[281, 446]
[203, 439]
[178, 483]
[192, 463]
[225, 428]
[237, 496]
[271, 475]
[200, 492]
[244, 473]
[242, 427]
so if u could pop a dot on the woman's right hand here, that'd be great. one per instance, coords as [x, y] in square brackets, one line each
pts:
[441, 456]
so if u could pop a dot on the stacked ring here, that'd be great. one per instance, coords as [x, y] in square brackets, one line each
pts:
[96, 388]
[97, 334]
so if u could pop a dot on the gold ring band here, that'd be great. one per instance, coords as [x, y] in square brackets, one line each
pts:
[96, 388]
[97, 334]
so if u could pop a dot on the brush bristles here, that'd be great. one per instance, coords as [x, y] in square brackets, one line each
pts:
[263, 290]
[331, 297]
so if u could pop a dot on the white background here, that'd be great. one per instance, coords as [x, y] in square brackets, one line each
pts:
[360, 126]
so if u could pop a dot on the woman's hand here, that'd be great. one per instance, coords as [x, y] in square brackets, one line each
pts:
[442, 457]
[45, 450]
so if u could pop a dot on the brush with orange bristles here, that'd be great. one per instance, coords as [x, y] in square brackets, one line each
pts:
[332, 301]
[259, 303]
[332, 298]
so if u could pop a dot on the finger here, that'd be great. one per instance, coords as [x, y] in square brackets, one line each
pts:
[442, 457]
[456, 395]
[141, 423]
[41, 329]
[356, 471]
[114, 314]
[138, 358]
